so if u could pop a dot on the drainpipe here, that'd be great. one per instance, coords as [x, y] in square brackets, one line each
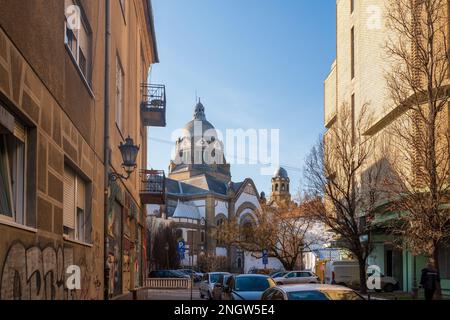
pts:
[107, 147]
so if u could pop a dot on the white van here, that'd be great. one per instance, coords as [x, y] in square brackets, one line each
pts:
[346, 273]
[342, 273]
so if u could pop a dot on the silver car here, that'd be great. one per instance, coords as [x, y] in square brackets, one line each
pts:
[297, 277]
[311, 292]
[207, 284]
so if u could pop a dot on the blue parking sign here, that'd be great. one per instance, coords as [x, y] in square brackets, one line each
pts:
[181, 247]
[265, 257]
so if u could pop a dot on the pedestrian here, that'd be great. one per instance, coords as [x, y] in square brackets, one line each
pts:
[430, 280]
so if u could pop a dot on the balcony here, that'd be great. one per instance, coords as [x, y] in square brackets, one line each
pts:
[153, 105]
[153, 187]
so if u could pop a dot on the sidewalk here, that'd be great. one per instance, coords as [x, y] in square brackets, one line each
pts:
[162, 294]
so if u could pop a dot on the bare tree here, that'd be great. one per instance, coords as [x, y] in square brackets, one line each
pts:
[419, 147]
[281, 229]
[341, 178]
[161, 244]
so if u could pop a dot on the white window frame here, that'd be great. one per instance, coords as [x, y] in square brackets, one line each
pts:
[16, 196]
[78, 35]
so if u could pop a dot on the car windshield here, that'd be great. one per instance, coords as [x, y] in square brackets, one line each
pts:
[252, 284]
[213, 278]
[278, 274]
[307, 295]
[324, 295]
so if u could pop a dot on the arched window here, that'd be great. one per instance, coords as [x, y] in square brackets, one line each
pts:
[276, 187]
[247, 230]
[239, 263]
[220, 240]
[288, 187]
[283, 187]
[203, 236]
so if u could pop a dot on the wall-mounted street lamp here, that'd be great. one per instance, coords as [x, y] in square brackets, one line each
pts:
[129, 153]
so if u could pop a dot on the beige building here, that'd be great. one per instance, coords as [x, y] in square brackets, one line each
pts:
[68, 97]
[358, 78]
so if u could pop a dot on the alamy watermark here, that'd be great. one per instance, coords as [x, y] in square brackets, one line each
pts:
[374, 277]
[73, 273]
[199, 145]
[73, 17]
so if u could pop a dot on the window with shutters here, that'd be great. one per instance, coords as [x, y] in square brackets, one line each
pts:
[75, 219]
[13, 139]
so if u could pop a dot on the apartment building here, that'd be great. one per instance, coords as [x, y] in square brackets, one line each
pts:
[358, 78]
[73, 88]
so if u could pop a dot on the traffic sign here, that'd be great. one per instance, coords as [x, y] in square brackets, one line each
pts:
[181, 247]
[265, 257]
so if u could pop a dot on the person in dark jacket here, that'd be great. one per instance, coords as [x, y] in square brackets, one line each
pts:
[430, 280]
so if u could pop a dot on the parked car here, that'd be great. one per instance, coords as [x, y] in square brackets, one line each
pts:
[168, 274]
[246, 287]
[219, 286]
[346, 273]
[296, 277]
[310, 292]
[197, 276]
[207, 284]
[277, 274]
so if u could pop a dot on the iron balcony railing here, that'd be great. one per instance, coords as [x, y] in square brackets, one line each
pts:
[153, 186]
[153, 105]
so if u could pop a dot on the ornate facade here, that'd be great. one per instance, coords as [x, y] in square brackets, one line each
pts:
[201, 196]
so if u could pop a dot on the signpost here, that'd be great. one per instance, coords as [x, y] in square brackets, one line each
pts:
[181, 248]
[265, 257]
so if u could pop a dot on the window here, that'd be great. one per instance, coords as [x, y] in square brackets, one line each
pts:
[283, 187]
[352, 53]
[78, 38]
[353, 105]
[220, 234]
[119, 94]
[75, 217]
[12, 171]
[202, 237]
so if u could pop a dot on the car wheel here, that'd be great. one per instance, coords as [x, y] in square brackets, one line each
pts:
[389, 287]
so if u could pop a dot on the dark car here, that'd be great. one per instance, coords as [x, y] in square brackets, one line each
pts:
[168, 274]
[197, 276]
[246, 287]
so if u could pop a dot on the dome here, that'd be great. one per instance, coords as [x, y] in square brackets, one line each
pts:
[281, 173]
[200, 124]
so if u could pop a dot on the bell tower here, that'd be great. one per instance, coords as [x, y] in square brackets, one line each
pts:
[281, 186]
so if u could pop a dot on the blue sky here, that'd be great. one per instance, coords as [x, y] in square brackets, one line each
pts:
[255, 64]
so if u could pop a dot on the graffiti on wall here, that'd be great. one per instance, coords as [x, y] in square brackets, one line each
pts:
[36, 274]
